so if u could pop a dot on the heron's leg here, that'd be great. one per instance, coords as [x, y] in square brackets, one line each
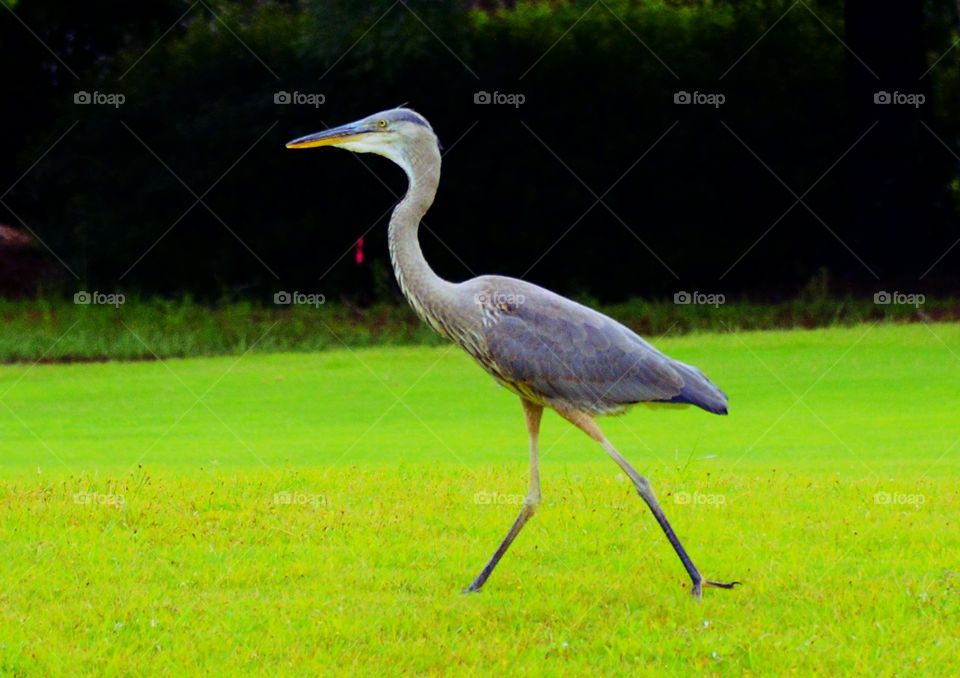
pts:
[586, 424]
[532, 412]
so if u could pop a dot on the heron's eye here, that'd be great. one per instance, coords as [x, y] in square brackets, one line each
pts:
[382, 124]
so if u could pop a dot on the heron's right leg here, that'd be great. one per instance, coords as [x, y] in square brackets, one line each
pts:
[586, 424]
[532, 412]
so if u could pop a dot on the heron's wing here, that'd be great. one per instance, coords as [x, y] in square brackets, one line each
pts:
[567, 352]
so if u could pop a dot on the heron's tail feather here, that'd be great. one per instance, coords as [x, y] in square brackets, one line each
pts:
[698, 390]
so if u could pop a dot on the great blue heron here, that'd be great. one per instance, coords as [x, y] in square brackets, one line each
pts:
[550, 351]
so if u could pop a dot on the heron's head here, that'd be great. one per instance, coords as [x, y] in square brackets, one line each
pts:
[395, 134]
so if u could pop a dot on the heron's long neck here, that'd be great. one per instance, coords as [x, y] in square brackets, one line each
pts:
[424, 289]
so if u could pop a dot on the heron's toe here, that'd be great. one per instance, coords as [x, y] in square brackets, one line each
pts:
[723, 585]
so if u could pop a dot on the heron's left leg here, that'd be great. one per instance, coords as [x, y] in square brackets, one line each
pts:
[532, 412]
[586, 424]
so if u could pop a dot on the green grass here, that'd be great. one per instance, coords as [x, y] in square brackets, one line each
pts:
[141, 530]
[56, 330]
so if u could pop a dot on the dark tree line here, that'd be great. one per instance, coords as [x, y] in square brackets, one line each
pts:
[707, 207]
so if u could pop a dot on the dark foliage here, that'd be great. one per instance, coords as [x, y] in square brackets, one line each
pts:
[688, 191]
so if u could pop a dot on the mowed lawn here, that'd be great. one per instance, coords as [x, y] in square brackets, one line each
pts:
[299, 514]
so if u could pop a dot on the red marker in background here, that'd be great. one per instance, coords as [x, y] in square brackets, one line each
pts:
[358, 256]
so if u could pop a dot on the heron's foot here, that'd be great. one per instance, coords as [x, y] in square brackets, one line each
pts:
[473, 588]
[697, 589]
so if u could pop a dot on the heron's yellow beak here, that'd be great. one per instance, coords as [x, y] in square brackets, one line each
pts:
[333, 137]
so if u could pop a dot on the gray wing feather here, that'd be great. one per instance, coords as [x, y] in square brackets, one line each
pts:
[569, 353]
